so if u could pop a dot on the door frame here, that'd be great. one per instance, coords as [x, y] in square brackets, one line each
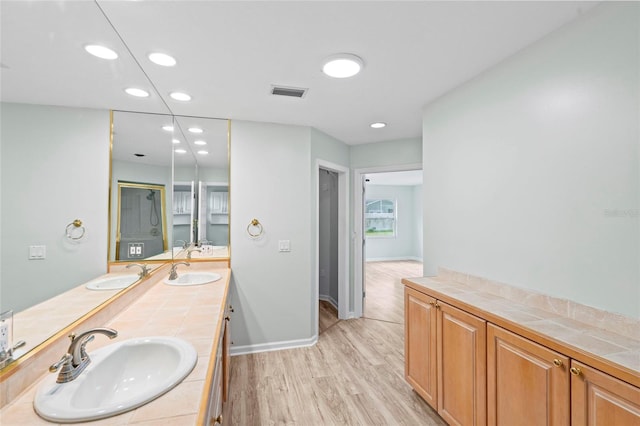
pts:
[343, 242]
[358, 224]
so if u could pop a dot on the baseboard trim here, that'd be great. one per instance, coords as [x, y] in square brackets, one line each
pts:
[387, 259]
[331, 300]
[274, 346]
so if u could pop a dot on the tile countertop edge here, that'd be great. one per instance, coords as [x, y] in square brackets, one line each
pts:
[207, 391]
[579, 354]
[21, 408]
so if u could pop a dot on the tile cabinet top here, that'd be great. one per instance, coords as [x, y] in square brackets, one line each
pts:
[607, 350]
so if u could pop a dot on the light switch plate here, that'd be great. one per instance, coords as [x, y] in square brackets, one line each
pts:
[284, 245]
[37, 252]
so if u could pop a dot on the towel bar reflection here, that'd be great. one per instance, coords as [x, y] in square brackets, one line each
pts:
[254, 229]
[75, 230]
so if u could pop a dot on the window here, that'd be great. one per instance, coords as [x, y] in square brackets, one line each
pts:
[380, 218]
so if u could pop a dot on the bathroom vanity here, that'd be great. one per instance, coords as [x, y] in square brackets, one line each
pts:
[478, 358]
[198, 314]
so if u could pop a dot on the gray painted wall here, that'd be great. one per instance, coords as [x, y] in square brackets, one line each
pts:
[54, 169]
[532, 169]
[270, 181]
[390, 153]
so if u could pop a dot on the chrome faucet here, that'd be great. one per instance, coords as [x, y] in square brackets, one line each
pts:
[173, 274]
[76, 359]
[144, 269]
[184, 243]
[191, 250]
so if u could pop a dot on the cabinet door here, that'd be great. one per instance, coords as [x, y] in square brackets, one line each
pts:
[226, 355]
[598, 399]
[420, 344]
[526, 383]
[214, 410]
[462, 341]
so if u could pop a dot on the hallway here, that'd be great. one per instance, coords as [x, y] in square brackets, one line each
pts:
[354, 375]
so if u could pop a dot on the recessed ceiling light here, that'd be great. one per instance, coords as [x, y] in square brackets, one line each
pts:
[101, 51]
[181, 151]
[342, 65]
[179, 96]
[200, 142]
[175, 141]
[162, 59]
[138, 93]
[378, 125]
[203, 152]
[167, 128]
[195, 130]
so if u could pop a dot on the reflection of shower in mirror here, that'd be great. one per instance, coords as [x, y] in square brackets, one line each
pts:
[154, 217]
[141, 221]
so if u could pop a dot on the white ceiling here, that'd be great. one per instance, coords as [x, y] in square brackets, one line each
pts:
[230, 53]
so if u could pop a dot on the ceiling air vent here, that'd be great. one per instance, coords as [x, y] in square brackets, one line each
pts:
[293, 92]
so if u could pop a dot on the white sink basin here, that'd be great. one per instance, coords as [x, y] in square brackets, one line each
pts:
[194, 278]
[122, 376]
[112, 283]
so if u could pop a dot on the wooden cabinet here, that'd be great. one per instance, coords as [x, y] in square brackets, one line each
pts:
[598, 399]
[445, 350]
[226, 353]
[216, 395]
[219, 390]
[526, 382]
[420, 345]
[474, 372]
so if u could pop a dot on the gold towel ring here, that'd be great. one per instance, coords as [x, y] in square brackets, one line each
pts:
[255, 224]
[72, 227]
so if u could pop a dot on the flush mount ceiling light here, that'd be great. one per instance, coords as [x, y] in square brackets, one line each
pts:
[203, 152]
[180, 96]
[180, 151]
[343, 65]
[101, 51]
[167, 128]
[162, 59]
[200, 142]
[138, 93]
[378, 125]
[175, 141]
[195, 130]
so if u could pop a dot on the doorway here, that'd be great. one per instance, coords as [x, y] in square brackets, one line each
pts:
[332, 242]
[328, 246]
[387, 221]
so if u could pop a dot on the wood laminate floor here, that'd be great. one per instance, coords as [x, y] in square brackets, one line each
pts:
[384, 290]
[354, 375]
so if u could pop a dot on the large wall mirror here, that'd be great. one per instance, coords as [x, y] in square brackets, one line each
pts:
[56, 115]
[188, 159]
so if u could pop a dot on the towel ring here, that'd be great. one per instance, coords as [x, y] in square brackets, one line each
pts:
[255, 224]
[72, 228]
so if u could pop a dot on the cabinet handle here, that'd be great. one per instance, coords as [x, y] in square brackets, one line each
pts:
[436, 305]
[231, 308]
[227, 318]
[432, 304]
[216, 421]
[575, 371]
[557, 362]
